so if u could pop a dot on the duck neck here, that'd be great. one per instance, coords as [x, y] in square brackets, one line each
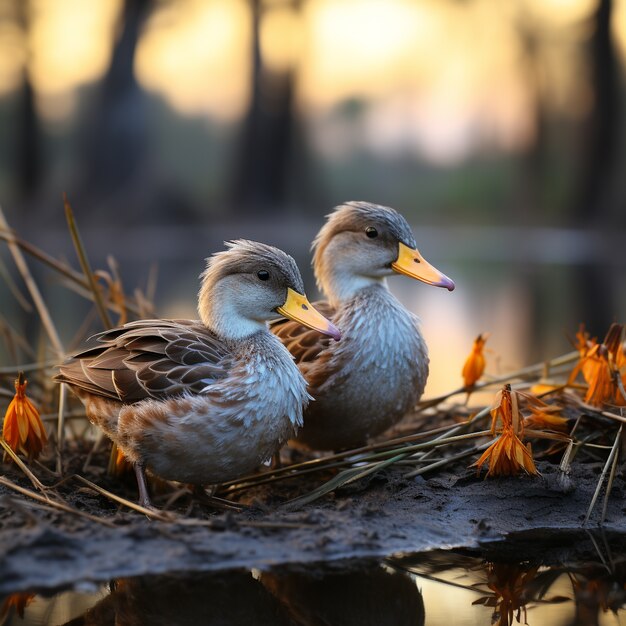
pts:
[220, 314]
[340, 284]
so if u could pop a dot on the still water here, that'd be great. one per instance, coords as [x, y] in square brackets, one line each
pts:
[435, 589]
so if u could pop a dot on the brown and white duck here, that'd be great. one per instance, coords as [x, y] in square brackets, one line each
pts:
[368, 381]
[207, 400]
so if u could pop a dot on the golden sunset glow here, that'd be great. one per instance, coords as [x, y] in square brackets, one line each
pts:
[281, 38]
[12, 57]
[196, 54]
[439, 78]
[71, 42]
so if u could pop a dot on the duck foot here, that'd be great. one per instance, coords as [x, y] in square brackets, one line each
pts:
[221, 504]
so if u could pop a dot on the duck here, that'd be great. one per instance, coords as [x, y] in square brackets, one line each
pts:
[367, 382]
[209, 400]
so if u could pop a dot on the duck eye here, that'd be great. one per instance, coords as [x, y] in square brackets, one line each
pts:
[263, 274]
[371, 232]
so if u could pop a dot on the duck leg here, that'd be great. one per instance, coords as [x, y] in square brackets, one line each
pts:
[144, 496]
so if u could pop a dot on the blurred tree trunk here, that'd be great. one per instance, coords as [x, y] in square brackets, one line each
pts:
[116, 143]
[262, 165]
[28, 137]
[602, 127]
[594, 192]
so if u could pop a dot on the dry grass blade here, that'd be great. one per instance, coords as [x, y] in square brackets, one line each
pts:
[33, 289]
[84, 263]
[344, 478]
[267, 478]
[16, 459]
[61, 506]
[448, 460]
[28, 367]
[151, 513]
[74, 277]
[609, 485]
[14, 289]
[595, 411]
[61, 427]
[338, 459]
[374, 465]
[13, 340]
[605, 469]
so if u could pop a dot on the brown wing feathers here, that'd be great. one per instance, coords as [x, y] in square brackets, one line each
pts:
[148, 358]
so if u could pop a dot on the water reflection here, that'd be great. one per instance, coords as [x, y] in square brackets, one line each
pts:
[351, 597]
[437, 588]
[369, 595]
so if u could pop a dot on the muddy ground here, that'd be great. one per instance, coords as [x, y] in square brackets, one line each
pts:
[381, 515]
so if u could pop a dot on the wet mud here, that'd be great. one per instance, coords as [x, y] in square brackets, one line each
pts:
[384, 514]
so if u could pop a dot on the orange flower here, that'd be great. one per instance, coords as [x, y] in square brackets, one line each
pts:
[508, 455]
[583, 340]
[475, 363]
[22, 428]
[18, 601]
[545, 418]
[601, 365]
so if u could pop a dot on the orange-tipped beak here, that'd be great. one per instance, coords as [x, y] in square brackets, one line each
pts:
[299, 309]
[411, 263]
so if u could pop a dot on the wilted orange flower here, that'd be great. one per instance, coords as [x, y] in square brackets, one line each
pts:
[510, 584]
[508, 455]
[23, 429]
[475, 363]
[602, 365]
[18, 601]
[545, 417]
[583, 340]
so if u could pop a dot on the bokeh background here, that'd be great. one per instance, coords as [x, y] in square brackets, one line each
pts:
[496, 127]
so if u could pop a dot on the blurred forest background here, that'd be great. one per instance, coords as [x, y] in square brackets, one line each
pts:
[496, 127]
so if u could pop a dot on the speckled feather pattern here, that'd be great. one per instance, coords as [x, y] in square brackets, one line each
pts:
[232, 426]
[377, 372]
[200, 401]
[369, 379]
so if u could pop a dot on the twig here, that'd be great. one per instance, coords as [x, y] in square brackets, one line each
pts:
[605, 469]
[14, 289]
[62, 268]
[344, 478]
[446, 461]
[35, 294]
[152, 513]
[53, 503]
[16, 459]
[609, 485]
[61, 427]
[329, 460]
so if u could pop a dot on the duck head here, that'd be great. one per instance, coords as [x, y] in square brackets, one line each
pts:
[361, 244]
[247, 284]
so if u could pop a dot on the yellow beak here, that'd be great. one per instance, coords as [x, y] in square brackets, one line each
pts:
[299, 309]
[411, 263]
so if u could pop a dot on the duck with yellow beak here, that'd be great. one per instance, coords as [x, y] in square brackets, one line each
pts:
[204, 401]
[368, 381]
